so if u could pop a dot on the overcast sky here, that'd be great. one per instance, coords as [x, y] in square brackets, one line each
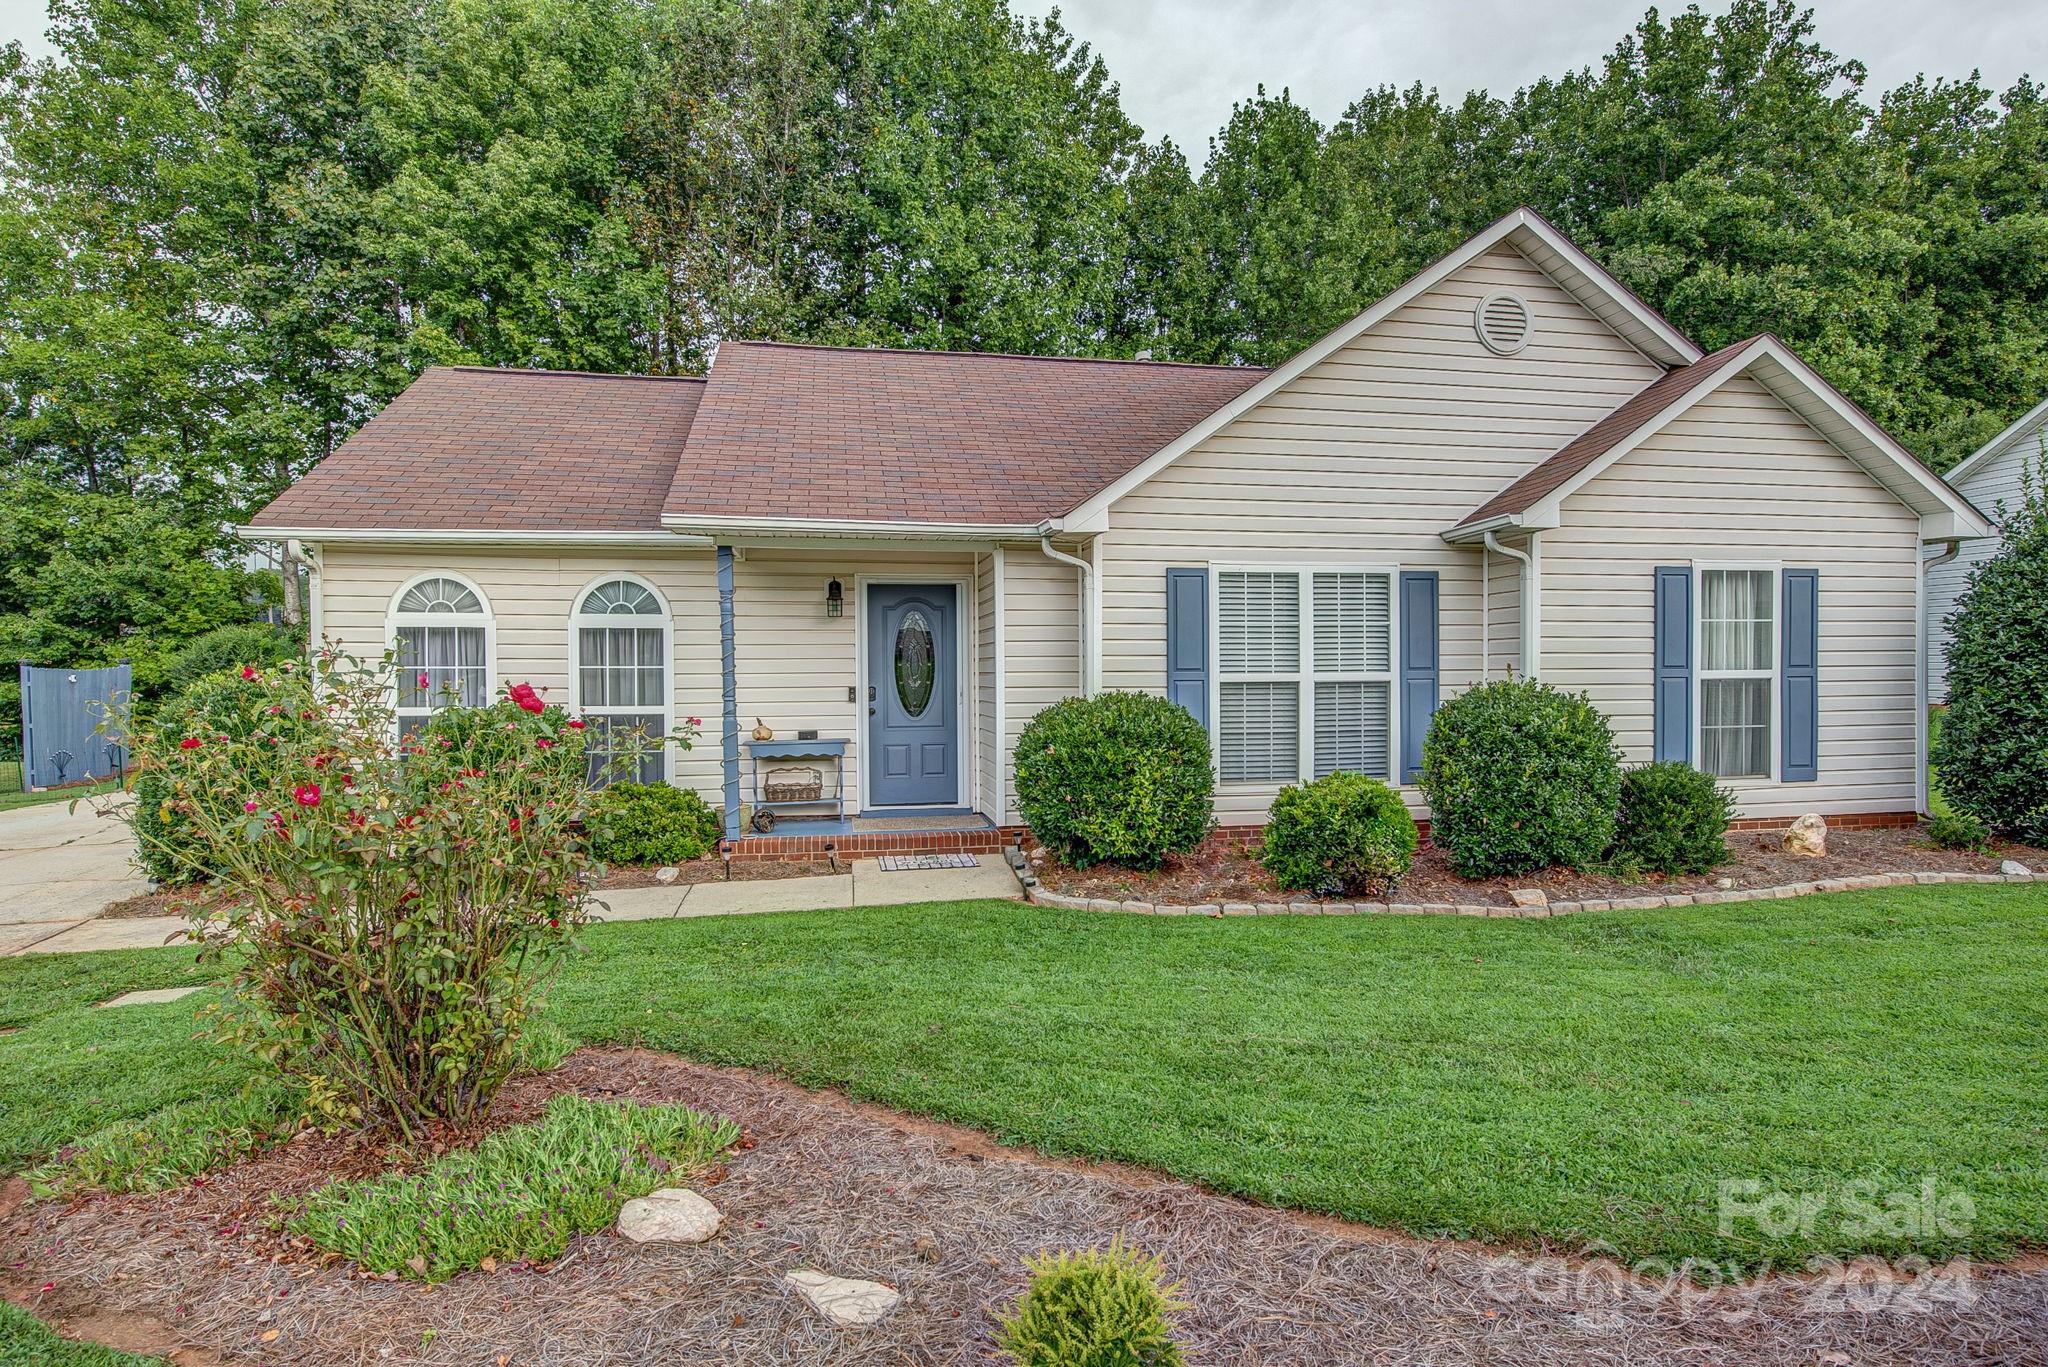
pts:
[1182, 62]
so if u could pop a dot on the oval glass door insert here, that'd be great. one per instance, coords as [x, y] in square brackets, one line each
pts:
[914, 663]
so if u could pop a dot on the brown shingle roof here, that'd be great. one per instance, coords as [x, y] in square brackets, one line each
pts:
[960, 437]
[1603, 436]
[472, 449]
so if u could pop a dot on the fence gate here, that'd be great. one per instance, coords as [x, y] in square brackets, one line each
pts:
[61, 712]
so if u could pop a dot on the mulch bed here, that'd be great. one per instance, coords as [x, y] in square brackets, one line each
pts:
[945, 1216]
[1219, 873]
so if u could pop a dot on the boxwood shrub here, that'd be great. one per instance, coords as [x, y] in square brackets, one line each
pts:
[1120, 777]
[650, 823]
[1520, 776]
[1344, 835]
[1672, 818]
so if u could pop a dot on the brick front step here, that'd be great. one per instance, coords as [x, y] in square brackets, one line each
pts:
[796, 848]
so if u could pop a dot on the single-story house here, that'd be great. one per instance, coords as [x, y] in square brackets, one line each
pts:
[894, 559]
[1989, 477]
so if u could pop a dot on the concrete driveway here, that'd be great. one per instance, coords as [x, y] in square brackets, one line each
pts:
[58, 868]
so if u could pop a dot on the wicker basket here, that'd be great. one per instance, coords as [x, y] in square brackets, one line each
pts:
[803, 784]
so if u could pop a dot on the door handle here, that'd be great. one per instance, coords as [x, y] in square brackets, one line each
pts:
[871, 711]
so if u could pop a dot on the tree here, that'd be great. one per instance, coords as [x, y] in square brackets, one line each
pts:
[1993, 748]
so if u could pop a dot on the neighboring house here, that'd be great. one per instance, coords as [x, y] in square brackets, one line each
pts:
[1988, 478]
[1508, 465]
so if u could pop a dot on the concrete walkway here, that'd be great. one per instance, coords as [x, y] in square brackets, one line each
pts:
[60, 868]
[866, 885]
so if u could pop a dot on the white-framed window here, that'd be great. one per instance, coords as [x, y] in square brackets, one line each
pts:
[441, 626]
[619, 639]
[1304, 672]
[1738, 670]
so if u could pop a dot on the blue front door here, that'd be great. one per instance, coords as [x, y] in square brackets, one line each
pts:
[913, 696]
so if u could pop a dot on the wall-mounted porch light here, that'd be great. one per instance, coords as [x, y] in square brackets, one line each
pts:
[835, 600]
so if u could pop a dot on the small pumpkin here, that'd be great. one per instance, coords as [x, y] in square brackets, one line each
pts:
[762, 730]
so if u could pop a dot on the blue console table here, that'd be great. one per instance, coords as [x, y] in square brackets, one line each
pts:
[777, 751]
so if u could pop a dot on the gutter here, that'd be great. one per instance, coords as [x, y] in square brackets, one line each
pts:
[466, 536]
[1922, 659]
[1045, 531]
[1532, 600]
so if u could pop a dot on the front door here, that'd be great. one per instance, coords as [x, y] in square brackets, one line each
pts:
[913, 706]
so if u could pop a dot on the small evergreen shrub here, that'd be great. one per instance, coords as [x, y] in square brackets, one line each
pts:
[1119, 777]
[227, 649]
[1956, 831]
[1672, 818]
[650, 823]
[1993, 749]
[1520, 776]
[1101, 1308]
[1342, 835]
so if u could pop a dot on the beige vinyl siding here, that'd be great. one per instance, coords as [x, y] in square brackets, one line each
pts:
[1366, 458]
[1041, 644]
[1739, 477]
[1996, 480]
[531, 594]
[794, 669]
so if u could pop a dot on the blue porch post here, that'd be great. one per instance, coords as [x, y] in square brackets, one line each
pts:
[729, 723]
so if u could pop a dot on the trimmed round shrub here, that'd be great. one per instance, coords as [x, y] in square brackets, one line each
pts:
[1121, 778]
[1672, 818]
[227, 649]
[1993, 748]
[1343, 835]
[1520, 776]
[1102, 1308]
[650, 823]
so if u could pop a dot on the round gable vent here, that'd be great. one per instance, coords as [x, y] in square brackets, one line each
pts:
[1503, 322]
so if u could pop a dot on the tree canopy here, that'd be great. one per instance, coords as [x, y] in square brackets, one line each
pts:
[231, 229]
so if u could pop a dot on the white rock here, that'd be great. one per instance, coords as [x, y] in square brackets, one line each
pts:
[672, 1215]
[843, 1300]
[1808, 835]
[1724, 884]
[1529, 897]
[667, 875]
[2014, 866]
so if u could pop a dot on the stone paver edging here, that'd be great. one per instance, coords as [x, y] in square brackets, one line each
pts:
[1039, 895]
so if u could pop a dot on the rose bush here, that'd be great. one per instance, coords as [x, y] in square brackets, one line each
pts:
[391, 907]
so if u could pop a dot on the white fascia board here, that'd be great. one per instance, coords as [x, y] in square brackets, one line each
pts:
[754, 528]
[1092, 512]
[1997, 446]
[441, 536]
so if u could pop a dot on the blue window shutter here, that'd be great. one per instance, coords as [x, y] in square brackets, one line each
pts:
[1187, 641]
[1800, 623]
[1418, 666]
[1671, 669]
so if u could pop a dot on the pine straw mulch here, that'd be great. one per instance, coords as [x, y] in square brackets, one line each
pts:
[945, 1216]
[1219, 873]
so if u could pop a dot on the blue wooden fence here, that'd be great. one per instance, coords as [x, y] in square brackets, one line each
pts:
[61, 713]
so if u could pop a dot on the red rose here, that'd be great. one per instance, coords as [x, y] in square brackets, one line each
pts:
[423, 681]
[524, 695]
[544, 742]
[190, 743]
[513, 824]
[575, 726]
[248, 671]
[693, 721]
[307, 794]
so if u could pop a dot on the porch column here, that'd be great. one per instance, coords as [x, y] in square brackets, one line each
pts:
[729, 724]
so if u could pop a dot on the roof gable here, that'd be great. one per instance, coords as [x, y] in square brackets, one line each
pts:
[1536, 498]
[2006, 442]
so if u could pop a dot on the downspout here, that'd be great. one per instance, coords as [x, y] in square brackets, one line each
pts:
[1045, 531]
[1485, 612]
[1922, 661]
[1532, 605]
[314, 617]
[729, 719]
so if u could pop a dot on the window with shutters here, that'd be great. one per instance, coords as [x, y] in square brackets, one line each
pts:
[620, 639]
[1304, 673]
[1738, 669]
[442, 634]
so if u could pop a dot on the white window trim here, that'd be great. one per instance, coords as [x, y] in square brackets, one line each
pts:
[394, 619]
[578, 619]
[1774, 746]
[1304, 675]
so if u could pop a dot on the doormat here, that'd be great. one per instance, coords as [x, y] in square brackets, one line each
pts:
[910, 863]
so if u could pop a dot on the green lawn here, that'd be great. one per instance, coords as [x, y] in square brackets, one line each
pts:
[26, 1341]
[19, 798]
[1588, 1077]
